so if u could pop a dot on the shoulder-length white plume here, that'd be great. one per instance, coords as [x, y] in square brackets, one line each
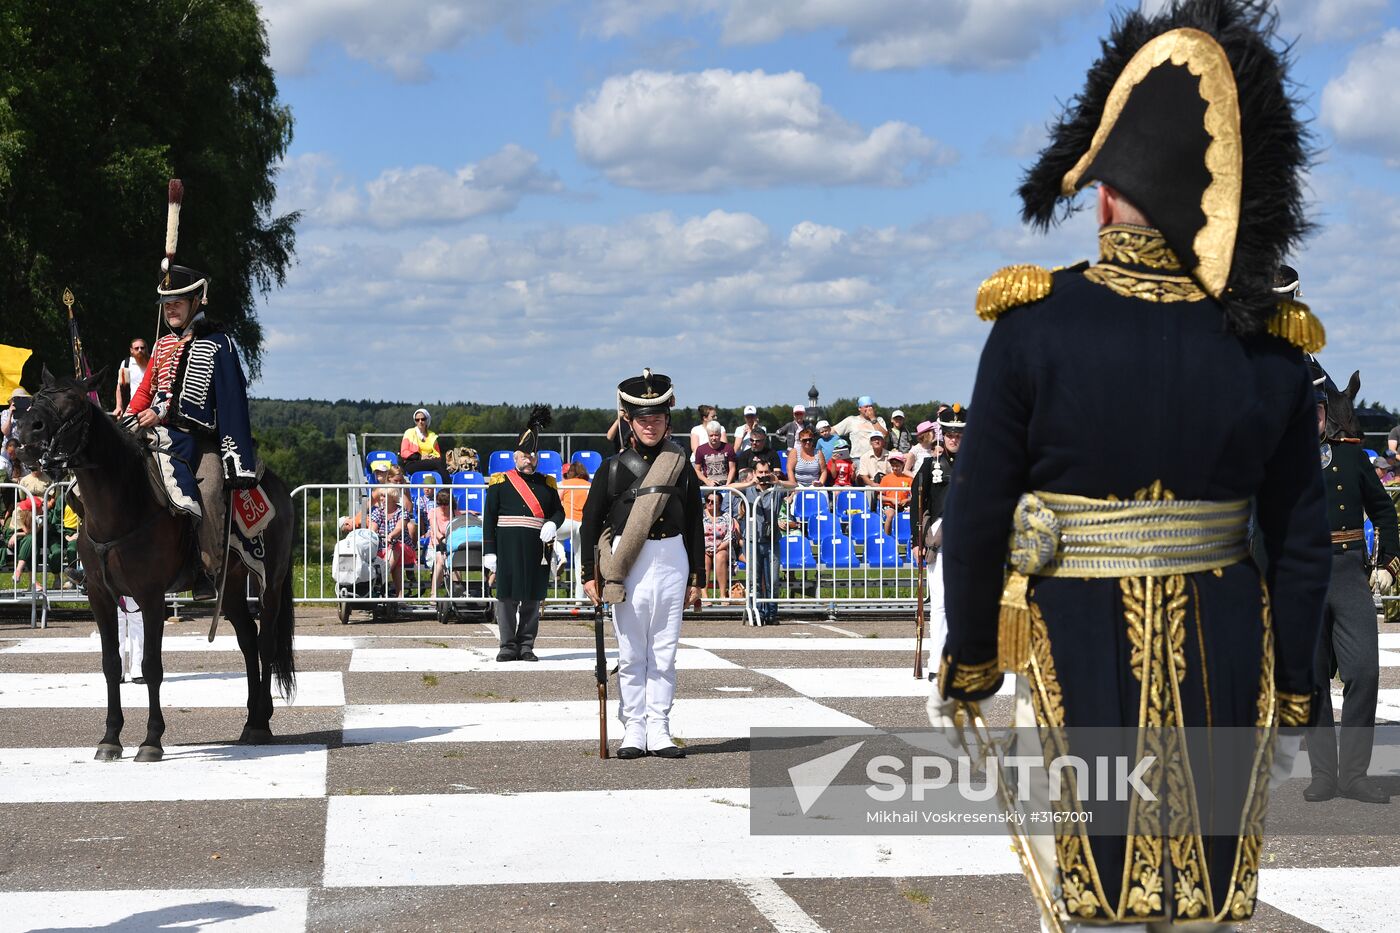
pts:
[172, 222]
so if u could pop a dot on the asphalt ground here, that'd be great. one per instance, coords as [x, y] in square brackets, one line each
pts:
[360, 818]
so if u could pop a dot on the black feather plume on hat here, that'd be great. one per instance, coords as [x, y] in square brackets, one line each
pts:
[540, 417]
[1278, 147]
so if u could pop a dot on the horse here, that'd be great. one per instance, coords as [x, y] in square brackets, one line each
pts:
[131, 544]
[1342, 424]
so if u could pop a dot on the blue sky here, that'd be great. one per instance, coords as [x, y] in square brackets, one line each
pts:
[514, 200]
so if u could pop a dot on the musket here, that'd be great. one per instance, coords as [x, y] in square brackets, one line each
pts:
[600, 669]
[1020, 842]
[919, 624]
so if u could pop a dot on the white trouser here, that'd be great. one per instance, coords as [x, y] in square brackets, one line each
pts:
[648, 625]
[131, 635]
[936, 631]
[569, 532]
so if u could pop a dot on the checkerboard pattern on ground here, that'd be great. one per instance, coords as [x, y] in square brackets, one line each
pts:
[416, 784]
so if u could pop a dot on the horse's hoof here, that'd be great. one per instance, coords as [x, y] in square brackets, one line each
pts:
[253, 736]
[150, 753]
[108, 752]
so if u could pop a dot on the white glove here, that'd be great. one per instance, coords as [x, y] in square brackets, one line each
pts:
[1285, 753]
[1381, 580]
[548, 532]
[488, 563]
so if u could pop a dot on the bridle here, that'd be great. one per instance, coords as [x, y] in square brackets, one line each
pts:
[61, 450]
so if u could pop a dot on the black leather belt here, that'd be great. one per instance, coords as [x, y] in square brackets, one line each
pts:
[648, 490]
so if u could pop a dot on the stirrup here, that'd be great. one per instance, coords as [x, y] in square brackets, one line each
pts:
[204, 589]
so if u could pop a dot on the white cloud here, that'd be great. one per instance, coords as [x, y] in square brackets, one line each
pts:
[404, 197]
[717, 129]
[1358, 106]
[882, 34]
[395, 37]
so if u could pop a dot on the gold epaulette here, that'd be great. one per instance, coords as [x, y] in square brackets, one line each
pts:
[553, 483]
[495, 478]
[1010, 288]
[1295, 322]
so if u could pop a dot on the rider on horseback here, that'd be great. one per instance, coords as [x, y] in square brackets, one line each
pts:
[193, 405]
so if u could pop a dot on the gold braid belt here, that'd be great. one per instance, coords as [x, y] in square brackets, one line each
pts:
[1057, 535]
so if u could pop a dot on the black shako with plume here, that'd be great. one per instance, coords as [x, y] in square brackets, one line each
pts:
[1143, 139]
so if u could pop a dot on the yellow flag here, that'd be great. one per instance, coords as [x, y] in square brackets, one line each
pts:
[12, 361]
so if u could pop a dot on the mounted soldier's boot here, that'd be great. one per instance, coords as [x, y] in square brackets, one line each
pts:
[212, 528]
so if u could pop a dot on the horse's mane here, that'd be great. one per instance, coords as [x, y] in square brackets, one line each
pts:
[127, 441]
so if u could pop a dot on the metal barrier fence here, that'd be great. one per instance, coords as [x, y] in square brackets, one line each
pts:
[40, 558]
[818, 549]
[486, 442]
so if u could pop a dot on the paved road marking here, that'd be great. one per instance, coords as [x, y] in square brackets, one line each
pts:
[777, 906]
[856, 681]
[185, 689]
[479, 660]
[92, 645]
[571, 720]
[189, 772]
[1350, 899]
[672, 834]
[233, 910]
[803, 644]
[841, 631]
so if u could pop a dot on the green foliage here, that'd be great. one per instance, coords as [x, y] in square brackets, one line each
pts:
[101, 103]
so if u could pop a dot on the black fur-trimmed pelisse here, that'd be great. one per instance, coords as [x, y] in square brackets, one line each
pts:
[1276, 145]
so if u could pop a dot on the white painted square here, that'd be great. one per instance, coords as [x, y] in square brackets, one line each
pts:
[758, 643]
[93, 645]
[1389, 658]
[233, 910]
[1345, 900]
[570, 720]
[1390, 640]
[609, 836]
[1387, 705]
[188, 772]
[832, 682]
[483, 660]
[188, 689]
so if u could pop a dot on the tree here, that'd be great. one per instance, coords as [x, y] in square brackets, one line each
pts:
[101, 101]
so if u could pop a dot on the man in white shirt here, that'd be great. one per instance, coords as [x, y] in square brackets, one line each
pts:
[860, 427]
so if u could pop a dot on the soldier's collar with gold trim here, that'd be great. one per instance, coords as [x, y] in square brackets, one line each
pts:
[1136, 262]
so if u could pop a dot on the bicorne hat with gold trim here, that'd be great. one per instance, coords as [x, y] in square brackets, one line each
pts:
[529, 439]
[1188, 115]
[648, 394]
[178, 281]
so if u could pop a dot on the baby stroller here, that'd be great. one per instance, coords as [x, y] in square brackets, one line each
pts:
[356, 570]
[467, 599]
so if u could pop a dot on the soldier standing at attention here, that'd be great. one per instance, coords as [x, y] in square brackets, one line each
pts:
[1350, 643]
[519, 522]
[1132, 604]
[642, 535]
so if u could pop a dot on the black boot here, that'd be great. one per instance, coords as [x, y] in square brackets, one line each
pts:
[1322, 788]
[204, 589]
[1365, 790]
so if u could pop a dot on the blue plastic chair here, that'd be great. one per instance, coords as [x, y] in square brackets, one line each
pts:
[796, 554]
[475, 500]
[821, 527]
[468, 478]
[500, 461]
[590, 459]
[864, 526]
[882, 551]
[782, 460]
[901, 527]
[551, 462]
[425, 476]
[374, 456]
[808, 503]
[839, 552]
[849, 502]
[459, 498]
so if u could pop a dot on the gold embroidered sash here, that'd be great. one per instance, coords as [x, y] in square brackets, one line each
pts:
[1058, 535]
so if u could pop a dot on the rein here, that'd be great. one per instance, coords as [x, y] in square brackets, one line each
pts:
[59, 455]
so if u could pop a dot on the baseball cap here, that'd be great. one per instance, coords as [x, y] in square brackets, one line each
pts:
[925, 426]
[897, 413]
[379, 466]
[750, 410]
[799, 407]
[896, 455]
[1380, 463]
[864, 400]
[823, 424]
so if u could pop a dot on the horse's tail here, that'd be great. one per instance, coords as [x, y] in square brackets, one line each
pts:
[283, 664]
